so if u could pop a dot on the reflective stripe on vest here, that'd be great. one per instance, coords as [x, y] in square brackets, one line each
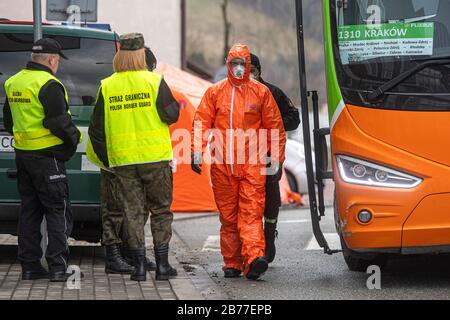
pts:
[27, 111]
[134, 131]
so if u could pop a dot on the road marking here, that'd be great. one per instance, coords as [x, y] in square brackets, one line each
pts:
[294, 221]
[332, 239]
[212, 244]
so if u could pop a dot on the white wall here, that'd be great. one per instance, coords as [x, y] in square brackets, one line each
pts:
[158, 20]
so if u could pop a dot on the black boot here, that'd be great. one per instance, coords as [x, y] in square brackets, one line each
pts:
[150, 265]
[257, 268]
[115, 263]
[270, 233]
[63, 276]
[34, 272]
[139, 273]
[163, 269]
[232, 273]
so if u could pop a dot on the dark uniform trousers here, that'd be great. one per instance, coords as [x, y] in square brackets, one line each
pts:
[273, 199]
[43, 188]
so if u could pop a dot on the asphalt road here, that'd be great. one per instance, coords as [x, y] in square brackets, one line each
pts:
[302, 271]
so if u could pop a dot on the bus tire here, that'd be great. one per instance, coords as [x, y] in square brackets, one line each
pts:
[354, 263]
[357, 262]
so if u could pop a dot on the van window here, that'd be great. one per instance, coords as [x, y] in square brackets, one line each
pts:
[90, 61]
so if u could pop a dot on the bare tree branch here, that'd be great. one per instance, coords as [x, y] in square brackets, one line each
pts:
[227, 29]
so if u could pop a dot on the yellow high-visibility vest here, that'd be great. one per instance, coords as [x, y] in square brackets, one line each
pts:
[27, 111]
[134, 131]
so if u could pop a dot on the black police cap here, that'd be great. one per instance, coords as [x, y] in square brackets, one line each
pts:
[47, 45]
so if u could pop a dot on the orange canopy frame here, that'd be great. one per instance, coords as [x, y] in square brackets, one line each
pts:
[192, 192]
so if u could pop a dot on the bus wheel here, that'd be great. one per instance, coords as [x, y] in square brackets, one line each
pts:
[357, 263]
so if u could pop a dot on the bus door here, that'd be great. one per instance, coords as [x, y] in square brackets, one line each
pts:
[317, 175]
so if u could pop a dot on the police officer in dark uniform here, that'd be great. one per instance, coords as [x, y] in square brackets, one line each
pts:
[291, 121]
[36, 112]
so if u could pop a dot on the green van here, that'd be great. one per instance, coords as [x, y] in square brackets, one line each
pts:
[90, 53]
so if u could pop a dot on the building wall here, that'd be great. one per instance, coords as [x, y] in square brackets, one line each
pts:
[158, 20]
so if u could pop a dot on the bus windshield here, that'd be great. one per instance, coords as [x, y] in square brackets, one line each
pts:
[377, 40]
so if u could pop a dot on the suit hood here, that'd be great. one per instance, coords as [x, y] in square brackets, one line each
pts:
[240, 51]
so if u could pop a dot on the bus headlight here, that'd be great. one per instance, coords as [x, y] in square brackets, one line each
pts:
[365, 173]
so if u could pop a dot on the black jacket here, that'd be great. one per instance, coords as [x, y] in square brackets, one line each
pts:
[166, 105]
[289, 113]
[57, 120]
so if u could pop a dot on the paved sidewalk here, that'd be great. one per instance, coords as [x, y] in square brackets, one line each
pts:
[97, 285]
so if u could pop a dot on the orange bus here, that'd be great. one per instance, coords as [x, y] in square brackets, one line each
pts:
[388, 88]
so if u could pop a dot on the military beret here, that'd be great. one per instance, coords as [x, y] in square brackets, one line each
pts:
[132, 41]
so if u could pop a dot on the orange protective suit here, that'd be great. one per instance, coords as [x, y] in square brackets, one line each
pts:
[239, 188]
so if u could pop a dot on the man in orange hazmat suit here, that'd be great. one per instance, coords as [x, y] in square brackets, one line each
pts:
[232, 106]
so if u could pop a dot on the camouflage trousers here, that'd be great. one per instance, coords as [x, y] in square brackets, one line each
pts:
[113, 213]
[145, 189]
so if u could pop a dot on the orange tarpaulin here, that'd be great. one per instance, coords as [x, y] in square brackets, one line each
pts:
[191, 86]
[193, 193]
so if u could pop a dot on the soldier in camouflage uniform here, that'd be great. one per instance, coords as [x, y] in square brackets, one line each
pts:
[147, 185]
[136, 104]
[114, 225]
[113, 215]
[112, 210]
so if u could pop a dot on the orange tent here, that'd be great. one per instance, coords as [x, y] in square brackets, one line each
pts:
[193, 193]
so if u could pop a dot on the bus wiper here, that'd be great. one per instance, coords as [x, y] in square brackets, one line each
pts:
[412, 20]
[405, 75]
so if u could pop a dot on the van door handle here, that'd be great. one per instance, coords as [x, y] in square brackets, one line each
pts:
[11, 173]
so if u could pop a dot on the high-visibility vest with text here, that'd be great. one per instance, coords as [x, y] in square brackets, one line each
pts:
[134, 131]
[27, 111]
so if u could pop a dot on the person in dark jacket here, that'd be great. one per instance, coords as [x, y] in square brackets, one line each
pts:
[36, 113]
[291, 121]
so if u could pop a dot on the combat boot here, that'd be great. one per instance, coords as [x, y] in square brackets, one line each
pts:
[270, 233]
[150, 265]
[164, 270]
[115, 263]
[140, 272]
